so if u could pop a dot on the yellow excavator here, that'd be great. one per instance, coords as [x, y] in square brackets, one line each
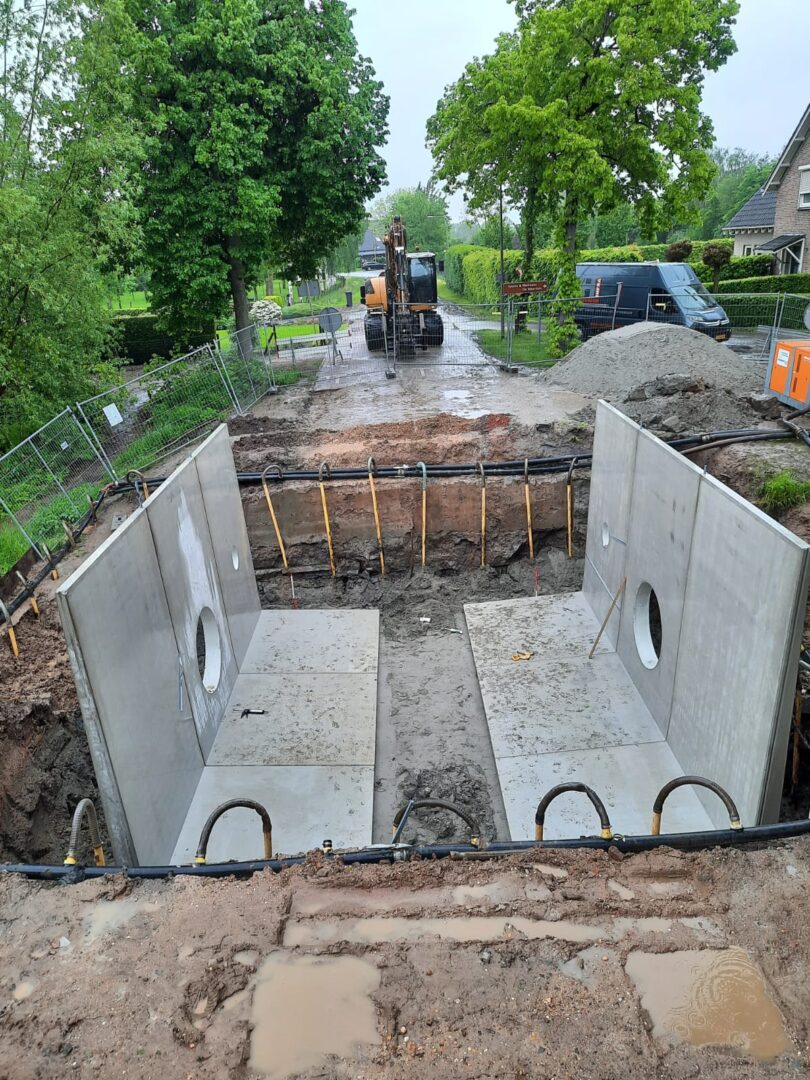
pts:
[402, 302]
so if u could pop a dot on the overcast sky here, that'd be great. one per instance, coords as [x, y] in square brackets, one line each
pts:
[755, 101]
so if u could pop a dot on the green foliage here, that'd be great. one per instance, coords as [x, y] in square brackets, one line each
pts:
[424, 212]
[775, 283]
[527, 348]
[590, 105]
[64, 213]
[739, 266]
[489, 233]
[454, 266]
[481, 268]
[782, 492]
[262, 125]
[140, 338]
[739, 175]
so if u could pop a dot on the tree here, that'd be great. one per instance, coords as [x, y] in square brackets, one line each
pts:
[264, 123]
[716, 256]
[739, 175]
[64, 215]
[424, 212]
[591, 104]
[489, 233]
[679, 252]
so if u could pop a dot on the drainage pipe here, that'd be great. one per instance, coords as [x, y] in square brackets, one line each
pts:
[696, 841]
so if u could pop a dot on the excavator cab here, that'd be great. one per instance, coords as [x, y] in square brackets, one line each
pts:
[422, 288]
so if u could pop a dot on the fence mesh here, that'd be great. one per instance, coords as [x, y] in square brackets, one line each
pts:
[244, 359]
[149, 418]
[44, 481]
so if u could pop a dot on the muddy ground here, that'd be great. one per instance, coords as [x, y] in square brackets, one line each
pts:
[563, 965]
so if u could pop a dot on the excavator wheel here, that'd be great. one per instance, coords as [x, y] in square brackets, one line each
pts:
[375, 333]
[434, 331]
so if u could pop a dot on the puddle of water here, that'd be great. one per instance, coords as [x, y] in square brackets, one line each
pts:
[23, 990]
[307, 1007]
[710, 998]
[475, 928]
[247, 957]
[314, 901]
[109, 915]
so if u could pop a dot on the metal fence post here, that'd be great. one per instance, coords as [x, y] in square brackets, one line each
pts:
[31, 544]
[215, 351]
[99, 449]
[99, 453]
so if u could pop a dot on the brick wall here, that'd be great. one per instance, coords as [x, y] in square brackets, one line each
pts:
[789, 218]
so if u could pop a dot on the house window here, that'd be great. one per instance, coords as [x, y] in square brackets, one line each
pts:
[790, 258]
[804, 187]
[748, 250]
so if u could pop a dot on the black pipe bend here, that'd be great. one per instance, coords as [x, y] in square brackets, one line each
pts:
[476, 837]
[696, 781]
[560, 789]
[232, 804]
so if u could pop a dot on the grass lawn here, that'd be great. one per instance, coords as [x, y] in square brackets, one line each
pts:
[130, 301]
[335, 298]
[450, 297]
[526, 348]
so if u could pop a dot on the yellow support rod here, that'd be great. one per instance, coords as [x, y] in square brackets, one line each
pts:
[421, 465]
[273, 517]
[483, 514]
[372, 468]
[326, 471]
[528, 508]
[569, 499]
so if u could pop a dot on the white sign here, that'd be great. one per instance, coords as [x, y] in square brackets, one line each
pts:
[63, 446]
[783, 357]
[113, 415]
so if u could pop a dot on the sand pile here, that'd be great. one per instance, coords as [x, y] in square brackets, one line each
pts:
[668, 378]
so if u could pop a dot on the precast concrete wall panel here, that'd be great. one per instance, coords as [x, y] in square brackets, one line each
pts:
[229, 537]
[179, 525]
[744, 605]
[665, 495]
[611, 494]
[131, 686]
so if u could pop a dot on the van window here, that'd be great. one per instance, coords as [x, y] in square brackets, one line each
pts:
[687, 288]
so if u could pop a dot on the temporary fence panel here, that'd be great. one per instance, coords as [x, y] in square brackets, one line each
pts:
[147, 419]
[529, 320]
[244, 358]
[44, 481]
[472, 335]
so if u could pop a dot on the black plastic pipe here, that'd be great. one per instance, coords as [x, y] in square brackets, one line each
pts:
[695, 841]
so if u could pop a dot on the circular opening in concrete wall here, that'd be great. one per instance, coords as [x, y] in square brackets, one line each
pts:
[209, 652]
[647, 625]
[235, 558]
[605, 534]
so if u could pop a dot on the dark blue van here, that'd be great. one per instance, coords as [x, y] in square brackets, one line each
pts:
[618, 294]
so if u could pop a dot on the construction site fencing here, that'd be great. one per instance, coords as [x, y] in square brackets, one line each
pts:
[469, 335]
[46, 480]
[755, 320]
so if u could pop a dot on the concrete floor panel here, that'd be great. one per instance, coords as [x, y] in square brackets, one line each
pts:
[307, 805]
[308, 720]
[314, 641]
[626, 778]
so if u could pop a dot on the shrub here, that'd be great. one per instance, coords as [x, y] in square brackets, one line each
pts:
[454, 266]
[140, 339]
[774, 283]
[679, 251]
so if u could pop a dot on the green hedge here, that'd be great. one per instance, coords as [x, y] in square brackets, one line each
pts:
[454, 266]
[473, 271]
[139, 338]
[779, 283]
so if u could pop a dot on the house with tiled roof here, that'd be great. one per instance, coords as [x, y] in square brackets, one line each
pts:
[777, 219]
[753, 223]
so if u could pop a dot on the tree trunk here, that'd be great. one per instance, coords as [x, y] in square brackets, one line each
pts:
[570, 237]
[529, 215]
[269, 285]
[241, 309]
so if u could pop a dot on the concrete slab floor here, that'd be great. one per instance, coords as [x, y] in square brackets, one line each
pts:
[313, 641]
[554, 720]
